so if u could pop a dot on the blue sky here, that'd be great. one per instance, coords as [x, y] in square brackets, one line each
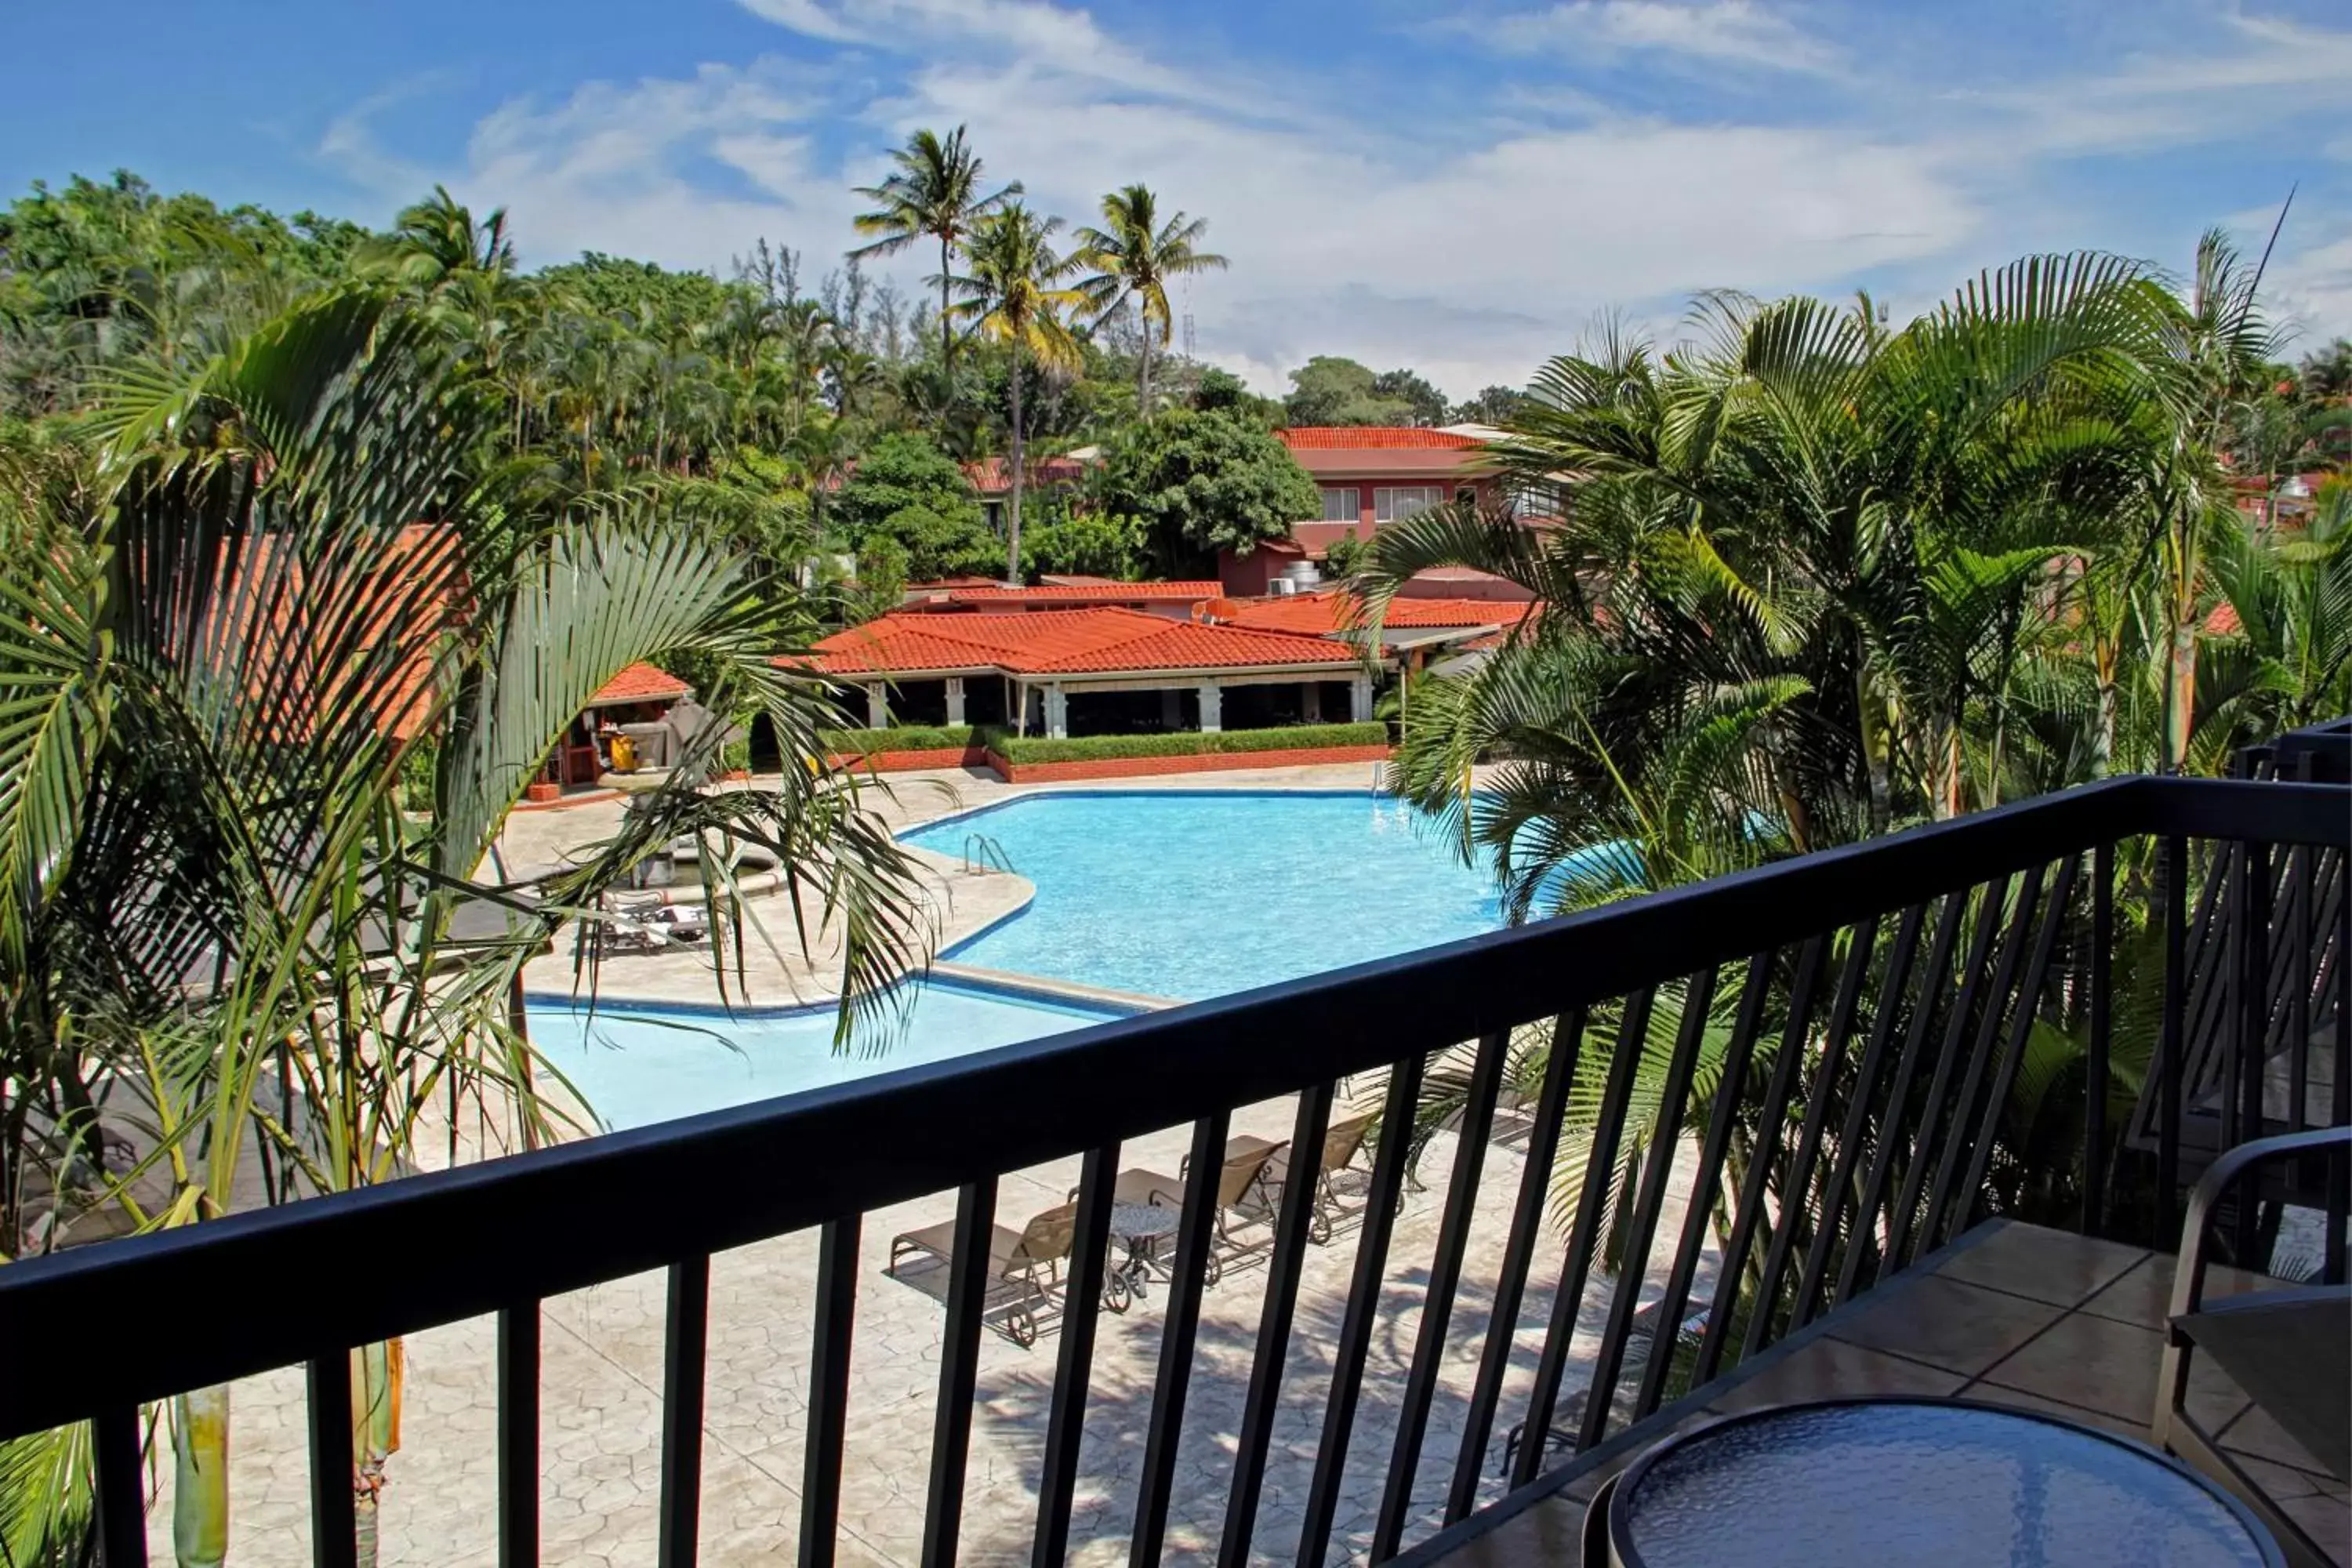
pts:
[1463, 188]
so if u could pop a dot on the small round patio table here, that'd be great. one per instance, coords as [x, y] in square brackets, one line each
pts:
[1940, 1481]
[1140, 1226]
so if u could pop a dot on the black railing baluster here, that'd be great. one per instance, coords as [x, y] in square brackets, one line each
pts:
[1437, 1298]
[1698, 1216]
[1584, 1231]
[122, 1512]
[2169, 1062]
[1852, 1135]
[2339, 1099]
[1065, 1423]
[1195, 1234]
[1348, 1355]
[518, 1375]
[2252, 1020]
[2235, 1044]
[2096, 1066]
[828, 1400]
[1771, 1117]
[1990, 908]
[1698, 995]
[684, 1340]
[2301, 973]
[1519, 1258]
[2012, 958]
[1259, 1405]
[1797, 1208]
[334, 1529]
[1965, 1201]
[968, 1282]
[1870, 1208]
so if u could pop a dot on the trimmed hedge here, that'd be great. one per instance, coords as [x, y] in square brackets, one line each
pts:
[1096, 748]
[900, 738]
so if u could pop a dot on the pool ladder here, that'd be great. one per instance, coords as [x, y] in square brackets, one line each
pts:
[981, 853]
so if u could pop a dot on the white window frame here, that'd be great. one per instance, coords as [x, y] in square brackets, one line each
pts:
[1395, 503]
[1342, 503]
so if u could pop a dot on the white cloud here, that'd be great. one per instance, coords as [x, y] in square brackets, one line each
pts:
[1470, 248]
[1717, 32]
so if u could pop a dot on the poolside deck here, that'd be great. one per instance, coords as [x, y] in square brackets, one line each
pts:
[602, 1375]
[2013, 1315]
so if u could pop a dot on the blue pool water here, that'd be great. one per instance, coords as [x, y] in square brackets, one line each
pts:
[638, 1066]
[1196, 894]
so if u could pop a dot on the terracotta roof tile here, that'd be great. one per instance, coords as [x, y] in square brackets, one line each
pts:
[1327, 613]
[1068, 595]
[640, 682]
[1060, 642]
[1326, 438]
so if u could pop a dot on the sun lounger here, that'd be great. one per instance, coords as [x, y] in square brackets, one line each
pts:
[1244, 1195]
[1024, 1266]
[1342, 1142]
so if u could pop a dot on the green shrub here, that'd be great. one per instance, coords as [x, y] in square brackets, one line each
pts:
[1092, 748]
[898, 738]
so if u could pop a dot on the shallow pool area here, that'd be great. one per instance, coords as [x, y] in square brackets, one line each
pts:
[638, 1064]
[1197, 893]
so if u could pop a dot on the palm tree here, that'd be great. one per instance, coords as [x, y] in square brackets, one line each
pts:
[1015, 295]
[1791, 590]
[934, 193]
[224, 666]
[1135, 256]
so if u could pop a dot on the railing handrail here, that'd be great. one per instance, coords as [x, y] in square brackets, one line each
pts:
[507, 1232]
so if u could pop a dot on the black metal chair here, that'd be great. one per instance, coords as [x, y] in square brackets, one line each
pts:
[2289, 1350]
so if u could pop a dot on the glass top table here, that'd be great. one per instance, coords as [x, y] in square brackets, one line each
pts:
[1920, 1481]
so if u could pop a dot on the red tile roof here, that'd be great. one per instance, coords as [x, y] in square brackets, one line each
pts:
[1067, 594]
[1062, 642]
[640, 682]
[993, 476]
[1331, 612]
[2223, 622]
[1324, 438]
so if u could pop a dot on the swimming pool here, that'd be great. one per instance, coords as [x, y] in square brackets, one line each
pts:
[637, 1064]
[1197, 893]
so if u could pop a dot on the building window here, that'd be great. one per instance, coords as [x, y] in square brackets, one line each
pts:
[1395, 503]
[1343, 505]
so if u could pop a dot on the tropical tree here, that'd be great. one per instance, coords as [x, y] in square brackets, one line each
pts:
[1015, 294]
[2214, 344]
[1135, 256]
[1783, 584]
[934, 193]
[1200, 481]
[222, 942]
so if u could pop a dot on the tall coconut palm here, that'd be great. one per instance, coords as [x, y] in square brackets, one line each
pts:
[934, 193]
[218, 678]
[1015, 294]
[2215, 343]
[1135, 256]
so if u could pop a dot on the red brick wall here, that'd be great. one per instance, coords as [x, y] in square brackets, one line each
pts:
[898, 761]
[1151, 768]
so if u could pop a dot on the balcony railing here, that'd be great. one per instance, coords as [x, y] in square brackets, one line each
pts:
[1827, 1051]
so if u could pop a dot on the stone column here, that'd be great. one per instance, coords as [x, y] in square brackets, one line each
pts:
[955, 699]
[1058, 712]
[878, 705]
[1360, 699]
[1212, 717]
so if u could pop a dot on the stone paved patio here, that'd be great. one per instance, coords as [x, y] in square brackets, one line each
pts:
[602, 1377]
